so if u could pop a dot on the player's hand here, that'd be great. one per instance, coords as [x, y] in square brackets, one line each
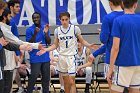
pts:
[41, 46]
[3, 42]
[93, 46]
[78, 69]
[42, 51]
[46, 28]
[54, 59]
[23, 66]
[109, 77]
[25, 47]
[37, 30]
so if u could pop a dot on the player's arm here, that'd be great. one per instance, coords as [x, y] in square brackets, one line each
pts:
[51, 48]
[116, 33]
[99, 51]
[31, 38]
[88, 52]
[51, 56]
[13, 39]
[54, 45]
[88, 60]
[85, 43]
[88, 64]
[47, 34]
[105, 31]
[114, 52]
[82, 40]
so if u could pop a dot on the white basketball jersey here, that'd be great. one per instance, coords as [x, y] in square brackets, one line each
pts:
[67, 41]
[81, 59]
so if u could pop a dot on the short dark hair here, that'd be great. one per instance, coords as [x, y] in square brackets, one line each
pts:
[36, 13]
[129, 3]
[116, 2]
[5, 14]
[12, 3]
[64, 14]
[2, 4]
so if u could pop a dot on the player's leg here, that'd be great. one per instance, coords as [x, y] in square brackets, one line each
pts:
[8, 74]
[20, 71]
[133, 90]
[72, 72]
[135, 82]
[52, 70]
[72, 84]
[66, 83]
[18, 81]
[88, 78]
[35, 71]
[122, 79]
[45, 71]
[62, 67]
[61, 83]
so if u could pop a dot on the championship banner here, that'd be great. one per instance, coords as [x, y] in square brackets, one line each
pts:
[81, 11]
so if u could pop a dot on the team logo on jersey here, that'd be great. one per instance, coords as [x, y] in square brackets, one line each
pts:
[66, 37]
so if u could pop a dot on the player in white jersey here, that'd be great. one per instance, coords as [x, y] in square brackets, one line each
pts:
[54, 55]
[81, 58]
[66, 41]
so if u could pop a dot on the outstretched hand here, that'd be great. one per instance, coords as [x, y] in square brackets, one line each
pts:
[94, 46]
[78, 69]
[26, 47]
[42, 51]
[3, 42]
[109, 77]
[41, 46]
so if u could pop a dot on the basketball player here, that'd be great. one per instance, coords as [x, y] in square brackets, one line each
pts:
[66, 41]
[81, 58]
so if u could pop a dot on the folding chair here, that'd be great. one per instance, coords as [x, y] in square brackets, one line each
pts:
[99, 74]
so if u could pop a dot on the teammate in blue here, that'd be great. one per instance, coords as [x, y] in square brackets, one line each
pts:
[125, 52]
[39, 64]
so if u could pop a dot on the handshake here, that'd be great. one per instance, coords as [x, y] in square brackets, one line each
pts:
[30, 46]
[25, 46]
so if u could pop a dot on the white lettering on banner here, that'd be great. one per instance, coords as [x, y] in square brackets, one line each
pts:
[98, 11]
[105, 4]
[52, 12]
[87, 11]
[61, 2]
[29, 10]
[42, 3]
[72, 11]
